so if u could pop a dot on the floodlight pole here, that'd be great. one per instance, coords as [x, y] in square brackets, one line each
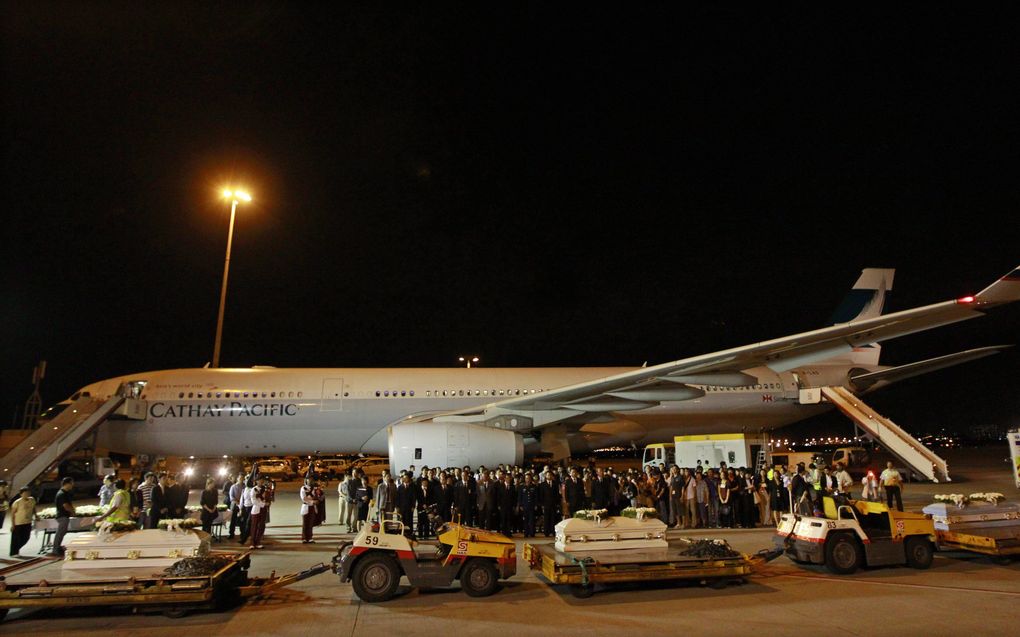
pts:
[223, 289]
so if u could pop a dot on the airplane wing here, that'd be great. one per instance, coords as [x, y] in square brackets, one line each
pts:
[902, 372]
[647, 386]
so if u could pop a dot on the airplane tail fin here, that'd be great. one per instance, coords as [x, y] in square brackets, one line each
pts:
[864, 301]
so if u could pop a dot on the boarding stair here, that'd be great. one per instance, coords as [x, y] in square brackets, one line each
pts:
[890, 435]
[55, 439]
[761, 462]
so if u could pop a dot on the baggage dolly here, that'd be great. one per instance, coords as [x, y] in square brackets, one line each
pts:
[1001, 543]
[41, 583]
[582, 570]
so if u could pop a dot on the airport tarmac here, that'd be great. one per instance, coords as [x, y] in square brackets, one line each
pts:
[960, 594]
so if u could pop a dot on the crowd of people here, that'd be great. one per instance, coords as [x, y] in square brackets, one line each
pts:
[505, 499]
[513, 499]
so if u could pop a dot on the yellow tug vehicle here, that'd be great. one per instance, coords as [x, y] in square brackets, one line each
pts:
[381, 554]
[856, 533]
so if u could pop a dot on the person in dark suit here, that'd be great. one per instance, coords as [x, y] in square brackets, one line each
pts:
[177, 497]
[549, 496]
[405, 503]
[425, 497]
[159, 506]
[601, 486]
[486, 499]
[470, 511]
[573, 491]
[445, 498]
[462, 501]
[506, 502]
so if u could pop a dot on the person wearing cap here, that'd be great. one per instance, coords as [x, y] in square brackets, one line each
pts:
[22, 516]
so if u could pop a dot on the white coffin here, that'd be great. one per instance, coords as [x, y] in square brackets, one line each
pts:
[949, 517]
[152, 547]
[609, 533]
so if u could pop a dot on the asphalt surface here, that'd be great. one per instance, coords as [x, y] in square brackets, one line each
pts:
[960, 594]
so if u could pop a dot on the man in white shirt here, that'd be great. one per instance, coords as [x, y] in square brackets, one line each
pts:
[343, 490]
[259, 508]
[309, 513]
[892, 482]
[843, 480]
[247, 502]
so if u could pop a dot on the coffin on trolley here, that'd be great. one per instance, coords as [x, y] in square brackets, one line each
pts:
[152, 547]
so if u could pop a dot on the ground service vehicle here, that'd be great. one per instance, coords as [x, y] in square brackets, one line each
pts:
[380, 554]
[88, 472]
[858, 461]
[278, 470]
[372, 467]
[705, 450]
[855, 533]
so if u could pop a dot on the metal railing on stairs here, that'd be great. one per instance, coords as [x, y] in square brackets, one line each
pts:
[890, 435]
[55, 439]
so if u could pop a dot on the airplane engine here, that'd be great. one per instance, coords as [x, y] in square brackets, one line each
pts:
[455, 444]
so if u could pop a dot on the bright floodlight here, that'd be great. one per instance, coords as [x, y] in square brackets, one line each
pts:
[236, 195]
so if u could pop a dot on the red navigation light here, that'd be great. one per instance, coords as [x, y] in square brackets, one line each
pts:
[965, 299]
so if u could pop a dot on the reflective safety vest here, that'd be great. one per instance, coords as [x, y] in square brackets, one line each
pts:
[123, 511]
[816, 478]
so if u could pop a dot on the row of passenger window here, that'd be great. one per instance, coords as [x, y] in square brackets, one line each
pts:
[238, 394]
[394, 393]
[456, 392]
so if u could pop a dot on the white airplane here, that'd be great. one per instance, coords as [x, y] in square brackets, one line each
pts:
[486, 416]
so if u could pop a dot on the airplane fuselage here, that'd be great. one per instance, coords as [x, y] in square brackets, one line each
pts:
[269, 411]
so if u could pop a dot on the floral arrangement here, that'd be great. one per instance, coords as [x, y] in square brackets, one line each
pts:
[196, 508]
[117, 527]
[640, 513]
[956, 498]
[178, 524]
[992, 498]
[591, 514]
[86, 511]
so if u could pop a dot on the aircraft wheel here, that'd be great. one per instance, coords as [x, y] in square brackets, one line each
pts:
[843, 554]
[376, 577]
[919, 552]
[479, 577]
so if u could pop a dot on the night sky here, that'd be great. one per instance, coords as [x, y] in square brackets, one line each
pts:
[537, 186]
